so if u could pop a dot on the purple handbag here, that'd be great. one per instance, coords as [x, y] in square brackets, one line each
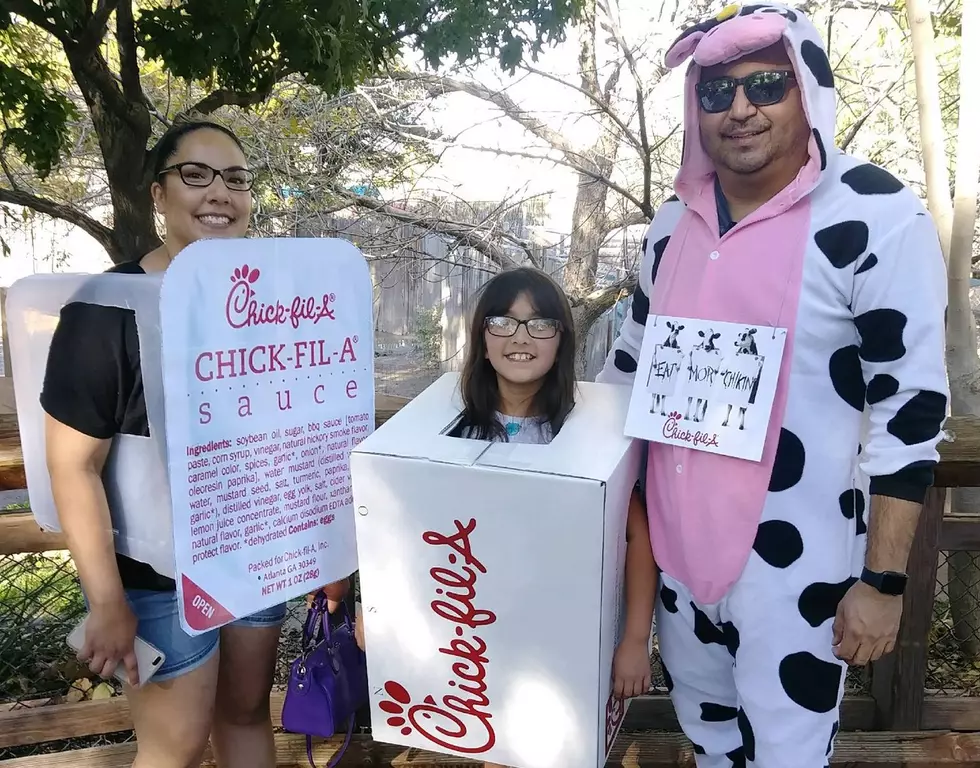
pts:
[328, 682]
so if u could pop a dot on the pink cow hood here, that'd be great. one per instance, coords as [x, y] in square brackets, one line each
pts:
[704, 508]
[733, 33]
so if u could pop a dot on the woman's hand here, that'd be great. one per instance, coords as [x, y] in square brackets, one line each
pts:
[631, 669]
[110, 635]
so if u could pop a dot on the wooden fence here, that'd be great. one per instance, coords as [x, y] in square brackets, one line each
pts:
[896, 725]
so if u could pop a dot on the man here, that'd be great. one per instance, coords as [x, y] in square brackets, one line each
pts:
[777, 573]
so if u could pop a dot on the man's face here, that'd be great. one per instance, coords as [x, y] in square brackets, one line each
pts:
[746, 137]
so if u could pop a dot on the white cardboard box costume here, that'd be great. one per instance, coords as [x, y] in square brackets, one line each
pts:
[491, 577]
[257, 367]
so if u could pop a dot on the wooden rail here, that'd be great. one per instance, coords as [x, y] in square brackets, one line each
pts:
[898, 704]
[648, 749]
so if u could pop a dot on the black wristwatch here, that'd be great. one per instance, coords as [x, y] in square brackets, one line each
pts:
[886, 582]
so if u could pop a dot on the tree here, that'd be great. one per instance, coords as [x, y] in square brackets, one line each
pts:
[956, 225]
[625, 171]
[240, 48]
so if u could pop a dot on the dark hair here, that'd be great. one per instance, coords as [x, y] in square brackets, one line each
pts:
[478, 381]
[169, 143]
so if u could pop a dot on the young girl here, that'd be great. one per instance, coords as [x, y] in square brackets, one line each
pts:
[518, 385]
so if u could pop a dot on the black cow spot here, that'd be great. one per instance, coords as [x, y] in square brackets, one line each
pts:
[778, 543]
[867, 264]
[668, 680]
[843, 243]
[668, 598]
[868, 179]
[624, 362]
[748, 10]
[737, 756]
[881, 387]
[847, 377]
[641, 306]
[819, 601]
[810, 682]
[672, 199]
[787, 467]
[705, 630]
[815, 58]
[920, 419]
[881, 335]
[698, 749]
[717, 713]
[658, 253]
[852, 503]
[833, 735]
[748, 736]
[730, 633]
[821, 149]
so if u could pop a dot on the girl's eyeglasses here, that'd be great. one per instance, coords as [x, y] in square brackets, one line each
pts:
[201, 175]
[762, 89]
[537, 327]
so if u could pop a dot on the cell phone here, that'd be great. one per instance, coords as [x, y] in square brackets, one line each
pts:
[148, 658]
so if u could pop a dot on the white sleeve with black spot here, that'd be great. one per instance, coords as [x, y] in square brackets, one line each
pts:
[620, 365]
[899, 308]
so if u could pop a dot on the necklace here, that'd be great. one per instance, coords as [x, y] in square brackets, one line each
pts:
[512, 428]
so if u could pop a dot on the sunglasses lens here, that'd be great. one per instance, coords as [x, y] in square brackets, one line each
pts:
[765, 88]
[717, 95]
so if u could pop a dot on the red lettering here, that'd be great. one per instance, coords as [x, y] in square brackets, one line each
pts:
[197, 367]
[458, 716]
[316, 396]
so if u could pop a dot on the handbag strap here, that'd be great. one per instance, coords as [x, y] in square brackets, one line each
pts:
[340, 752]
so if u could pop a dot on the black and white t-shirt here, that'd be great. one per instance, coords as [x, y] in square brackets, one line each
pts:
[93, 384]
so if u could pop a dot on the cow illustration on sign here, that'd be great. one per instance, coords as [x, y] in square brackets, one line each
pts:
[665, 367]
[739, 380]
[701, 369]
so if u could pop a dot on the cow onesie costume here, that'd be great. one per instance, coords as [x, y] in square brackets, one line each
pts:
[757, 555]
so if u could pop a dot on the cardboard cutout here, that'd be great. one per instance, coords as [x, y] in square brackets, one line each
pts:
[268, 366]
[135, 475]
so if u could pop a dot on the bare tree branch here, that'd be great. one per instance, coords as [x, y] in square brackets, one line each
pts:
[467, 234]
[859, 123]
[439, 85]
[602, 104]
[61, 211]
[227, 98]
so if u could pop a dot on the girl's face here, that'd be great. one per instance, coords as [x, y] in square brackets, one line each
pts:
[196, 212]
[524, 357]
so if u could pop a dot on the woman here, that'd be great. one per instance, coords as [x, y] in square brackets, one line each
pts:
[93, 391]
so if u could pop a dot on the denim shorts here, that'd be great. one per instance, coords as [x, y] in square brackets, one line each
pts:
[159, 624]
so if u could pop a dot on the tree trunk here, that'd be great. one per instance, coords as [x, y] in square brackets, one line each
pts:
[962, 361]
[123, 128]
[956, 236]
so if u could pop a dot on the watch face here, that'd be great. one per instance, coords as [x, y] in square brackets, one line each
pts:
[893, 583]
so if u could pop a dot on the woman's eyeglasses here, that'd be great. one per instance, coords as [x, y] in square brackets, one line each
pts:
[537, 327]
[762, 89]
[201, 175]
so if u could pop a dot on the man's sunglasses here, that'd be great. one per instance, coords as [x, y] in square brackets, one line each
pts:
[201, 175]
[761, 89]
[537, 327]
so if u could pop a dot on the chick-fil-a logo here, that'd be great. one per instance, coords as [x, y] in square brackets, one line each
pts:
[672, 432]
[615, 712]
[464, 717]
[242, 309]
